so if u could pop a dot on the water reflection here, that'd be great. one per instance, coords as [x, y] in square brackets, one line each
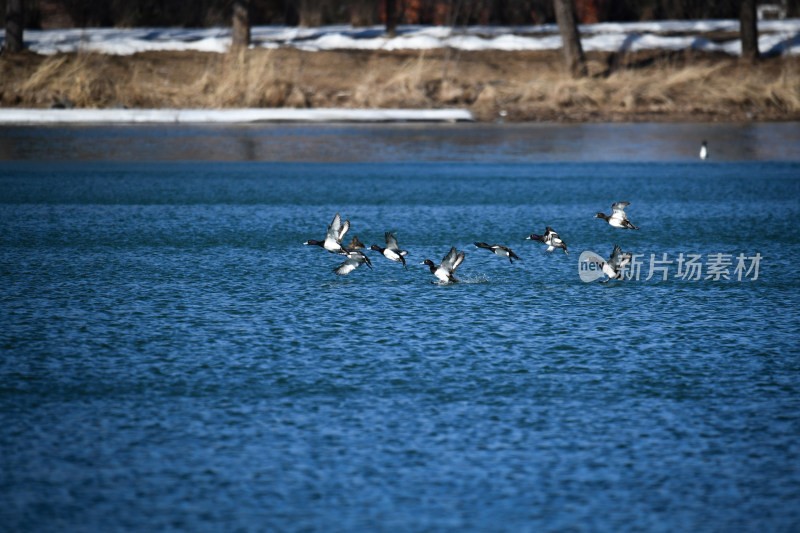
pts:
[402, 142]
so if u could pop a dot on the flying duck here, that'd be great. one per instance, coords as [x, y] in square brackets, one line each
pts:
[444, 272]
[355, 244]
[618, 218]
[333, 239]
[499, 249]
[355, 259]
[704, 150]
[613, 267]
[551, 239]
[392, 250]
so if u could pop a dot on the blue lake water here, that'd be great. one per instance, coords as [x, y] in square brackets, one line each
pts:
[173, 358]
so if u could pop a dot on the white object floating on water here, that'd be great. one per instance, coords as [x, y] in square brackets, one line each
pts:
[195, 116]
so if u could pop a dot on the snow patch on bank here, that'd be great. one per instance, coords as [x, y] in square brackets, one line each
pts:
[775, 37]
[198, 116]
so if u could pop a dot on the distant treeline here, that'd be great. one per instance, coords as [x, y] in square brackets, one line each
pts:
[203, 13]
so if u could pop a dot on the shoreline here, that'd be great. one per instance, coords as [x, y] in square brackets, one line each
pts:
[29, 116]
[484, 86]
[254, 116]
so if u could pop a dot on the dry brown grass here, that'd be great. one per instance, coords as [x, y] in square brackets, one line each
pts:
[78, 79]
[721, 89]
[526, 85]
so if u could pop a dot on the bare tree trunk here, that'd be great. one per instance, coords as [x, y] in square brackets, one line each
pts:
[14, 23]
[362, 12]
[571, 41]
[310, 13]
[391, 17]
[241, 24]
[792, 9]
[748, 30]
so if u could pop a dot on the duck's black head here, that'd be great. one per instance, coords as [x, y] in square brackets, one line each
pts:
[534, 237]
[314, 242]
[376, 248]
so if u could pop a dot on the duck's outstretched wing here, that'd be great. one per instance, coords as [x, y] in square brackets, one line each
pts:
[554, 237]
[334, 227]
[450, 259]
[391, 242]
[618, 210]
[354, 260]
[616, 257]
[458, 261]
[344, 229]
[605, 266]
[348, 266]
[618, 260]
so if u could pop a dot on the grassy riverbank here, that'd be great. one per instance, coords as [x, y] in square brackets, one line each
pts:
[522, 86]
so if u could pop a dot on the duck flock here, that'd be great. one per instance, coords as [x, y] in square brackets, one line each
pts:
[444, 271]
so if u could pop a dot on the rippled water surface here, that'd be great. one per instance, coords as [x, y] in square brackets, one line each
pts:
[173, 358]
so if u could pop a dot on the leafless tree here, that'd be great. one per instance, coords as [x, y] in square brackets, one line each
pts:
[14, 22]
[241, 24]
[391, 17]
[749, 31]
[571, 40]
[362, 12]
